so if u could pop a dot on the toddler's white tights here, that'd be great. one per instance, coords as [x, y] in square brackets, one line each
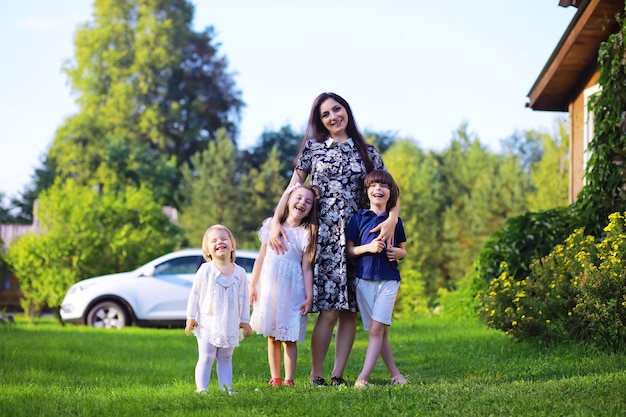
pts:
[207, 353]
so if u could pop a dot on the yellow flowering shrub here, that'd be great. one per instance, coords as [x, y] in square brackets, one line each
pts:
[577, 292]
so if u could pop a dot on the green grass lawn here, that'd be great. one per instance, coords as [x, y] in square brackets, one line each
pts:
[456, 368]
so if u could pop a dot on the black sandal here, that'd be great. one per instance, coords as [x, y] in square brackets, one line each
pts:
[337, 381]
[318, 381]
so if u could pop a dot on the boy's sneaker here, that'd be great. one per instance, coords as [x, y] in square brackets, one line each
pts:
[318, 381]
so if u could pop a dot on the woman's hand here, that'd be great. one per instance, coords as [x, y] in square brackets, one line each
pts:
[387, 230]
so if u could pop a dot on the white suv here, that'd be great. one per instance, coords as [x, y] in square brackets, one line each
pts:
[152, 295]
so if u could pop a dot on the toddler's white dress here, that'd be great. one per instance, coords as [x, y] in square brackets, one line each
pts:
[219, 303]
[281, 289]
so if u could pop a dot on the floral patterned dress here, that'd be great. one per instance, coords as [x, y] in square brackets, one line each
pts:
[339, 171]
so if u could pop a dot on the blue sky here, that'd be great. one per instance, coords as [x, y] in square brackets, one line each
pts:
[415, 67]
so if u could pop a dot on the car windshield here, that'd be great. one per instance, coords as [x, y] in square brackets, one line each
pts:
[183, 265]
[245, 263]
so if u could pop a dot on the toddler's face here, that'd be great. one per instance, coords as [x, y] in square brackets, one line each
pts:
[220, 245]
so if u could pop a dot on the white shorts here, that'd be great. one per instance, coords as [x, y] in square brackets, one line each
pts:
[376, 300]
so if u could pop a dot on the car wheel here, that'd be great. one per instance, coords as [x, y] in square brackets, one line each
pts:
[108, 314]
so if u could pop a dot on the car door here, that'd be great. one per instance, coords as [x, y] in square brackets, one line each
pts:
[164, 294]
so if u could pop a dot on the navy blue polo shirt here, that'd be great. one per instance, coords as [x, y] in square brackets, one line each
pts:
[374, 266]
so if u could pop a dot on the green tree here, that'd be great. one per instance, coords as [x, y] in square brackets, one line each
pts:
[382, 140]
[151, 93]
[418, 177]
[85, 233]
[5, 211]
[261, 190]
[482, 190]
[287, 144]
[214, 192]
[550, 175]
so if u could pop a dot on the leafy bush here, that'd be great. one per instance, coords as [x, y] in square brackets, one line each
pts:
[410, 298]
[84, 234]
[577, 292]
[601, 303]
[523, 239]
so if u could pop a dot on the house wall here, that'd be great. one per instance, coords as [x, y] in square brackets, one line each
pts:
[577, 140]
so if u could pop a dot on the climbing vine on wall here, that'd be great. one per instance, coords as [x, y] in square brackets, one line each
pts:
[605, 178]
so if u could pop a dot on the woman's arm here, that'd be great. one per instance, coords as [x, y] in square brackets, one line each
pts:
[276, 230]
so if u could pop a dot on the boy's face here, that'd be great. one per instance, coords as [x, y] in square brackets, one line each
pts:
[378, 194]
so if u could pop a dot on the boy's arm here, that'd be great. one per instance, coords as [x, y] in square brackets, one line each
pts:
[375, 246]
[396, 253]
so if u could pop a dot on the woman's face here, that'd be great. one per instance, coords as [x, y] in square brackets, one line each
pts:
[334, 117]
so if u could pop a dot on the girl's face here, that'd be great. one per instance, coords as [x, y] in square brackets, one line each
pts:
[334, 117]
[220, 245]
[300, 203]
[378, 194]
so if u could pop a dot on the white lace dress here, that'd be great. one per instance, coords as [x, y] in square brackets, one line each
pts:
[219, 303]
[281, 289]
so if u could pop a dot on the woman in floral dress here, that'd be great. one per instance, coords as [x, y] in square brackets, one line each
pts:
[336, 157]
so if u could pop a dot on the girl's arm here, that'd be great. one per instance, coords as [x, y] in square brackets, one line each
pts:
[244, 310]
[307, 273]
[388, 227]
[192, 305]
[276, 230]
[256, 273]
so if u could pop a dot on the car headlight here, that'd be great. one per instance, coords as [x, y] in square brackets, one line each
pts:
[78, 287]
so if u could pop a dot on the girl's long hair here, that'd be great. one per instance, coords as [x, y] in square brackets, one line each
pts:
[317, 131]
[311, 221]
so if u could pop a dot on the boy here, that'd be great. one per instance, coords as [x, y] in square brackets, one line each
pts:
[378, 278]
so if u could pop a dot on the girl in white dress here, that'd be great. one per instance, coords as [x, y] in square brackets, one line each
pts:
[217, 308]
[285, 283]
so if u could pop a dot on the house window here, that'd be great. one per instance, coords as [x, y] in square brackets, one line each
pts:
[589, 126]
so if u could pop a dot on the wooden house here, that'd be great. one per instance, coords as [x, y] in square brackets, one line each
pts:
[570, 76]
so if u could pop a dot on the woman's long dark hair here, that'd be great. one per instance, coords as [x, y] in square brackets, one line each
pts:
[317, 131]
